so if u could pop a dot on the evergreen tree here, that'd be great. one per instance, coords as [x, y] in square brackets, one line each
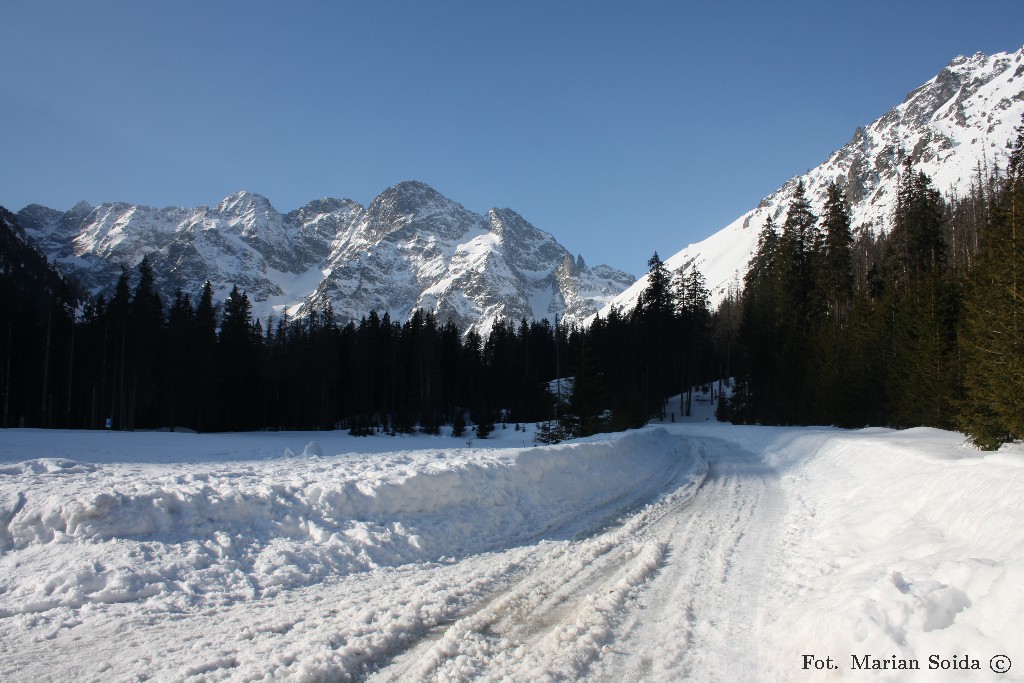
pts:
[916, 243]
[657, 296]
[37, 310]
[177, 368]
[236, 358]
[800, 234]
[799, 248]
[655, 314]
[777, 318]
[829, 375]
[992, 410]
[146, 352]
[921, 305]
[835, 279]
[459, 424]
[589, 396]
[760, 333]
[484, 424]
[119, 352]
[205, 376]
[694, 305]
[725, 328]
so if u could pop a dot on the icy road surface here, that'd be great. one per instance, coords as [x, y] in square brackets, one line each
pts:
[651, 599]
[678, 552]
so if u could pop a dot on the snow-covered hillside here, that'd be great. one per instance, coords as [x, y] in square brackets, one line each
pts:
[682, 551]
[951, 127]
[410, 248]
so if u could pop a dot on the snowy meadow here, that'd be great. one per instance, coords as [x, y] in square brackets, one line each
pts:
[683, 550]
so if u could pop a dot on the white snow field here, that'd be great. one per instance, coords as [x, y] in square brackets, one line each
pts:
[688, 550]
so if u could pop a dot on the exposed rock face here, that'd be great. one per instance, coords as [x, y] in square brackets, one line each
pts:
[410, 248]
[414, 248]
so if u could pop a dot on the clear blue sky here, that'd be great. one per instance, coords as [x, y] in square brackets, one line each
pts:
[620, 127]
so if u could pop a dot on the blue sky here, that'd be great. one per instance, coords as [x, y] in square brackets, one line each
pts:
[621, 128]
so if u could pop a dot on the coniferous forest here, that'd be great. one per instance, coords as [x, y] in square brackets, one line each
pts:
[210, 366]
[920, 324]
[191, 362]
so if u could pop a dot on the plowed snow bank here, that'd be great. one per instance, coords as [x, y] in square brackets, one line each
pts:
[78, 532]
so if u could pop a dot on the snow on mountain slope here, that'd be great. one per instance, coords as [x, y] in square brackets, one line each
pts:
[416, 249]
[245, 242]
[685, 551]
[410, 248]
[955, 124]
[242, 241]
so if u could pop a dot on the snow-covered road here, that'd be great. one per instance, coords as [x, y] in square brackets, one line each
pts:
[686, 551]
[699, 616]
[565, 607]
[671, 593]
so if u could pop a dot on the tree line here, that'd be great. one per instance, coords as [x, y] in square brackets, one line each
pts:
[626, 365]
[918, 325]
[77, 362]
[132, 360]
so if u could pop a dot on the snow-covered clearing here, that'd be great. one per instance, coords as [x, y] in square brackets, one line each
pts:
[687, 550]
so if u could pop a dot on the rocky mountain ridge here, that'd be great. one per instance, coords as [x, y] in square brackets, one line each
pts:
[411, 248]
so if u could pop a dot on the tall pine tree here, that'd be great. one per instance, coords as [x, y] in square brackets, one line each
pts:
[921, 307]
[992, 411]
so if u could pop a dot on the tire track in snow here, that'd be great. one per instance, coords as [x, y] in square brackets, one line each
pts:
[699, 616]
[671, 593]
[556, 619]
[683, 548]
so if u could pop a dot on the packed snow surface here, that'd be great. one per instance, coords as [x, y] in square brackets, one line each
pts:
[686, 550]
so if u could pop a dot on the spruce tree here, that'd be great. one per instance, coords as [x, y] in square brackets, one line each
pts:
[828, 377]
[236, 358]
[921, 303]
[459, 423]
[835, 279]
[118, 351]
[205, 373]
[695, 330]
[145, 338]
[655, 314]
[992, 410]
[797, 255]
[916, 243]
[176, 369]
[756, 329]
[484, 424]
[801, 233]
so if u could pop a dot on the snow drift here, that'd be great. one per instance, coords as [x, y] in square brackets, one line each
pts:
[77, 532]
[688, 550]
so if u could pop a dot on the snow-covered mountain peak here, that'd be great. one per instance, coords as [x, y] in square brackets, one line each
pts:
[410, 207]
[244, 203]
[325, 220]
[408, 199]
[507, 223]
[411, 248]
[252, 217]
[949, 127]
[43, 215]
[326, 205]
[522, 240]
